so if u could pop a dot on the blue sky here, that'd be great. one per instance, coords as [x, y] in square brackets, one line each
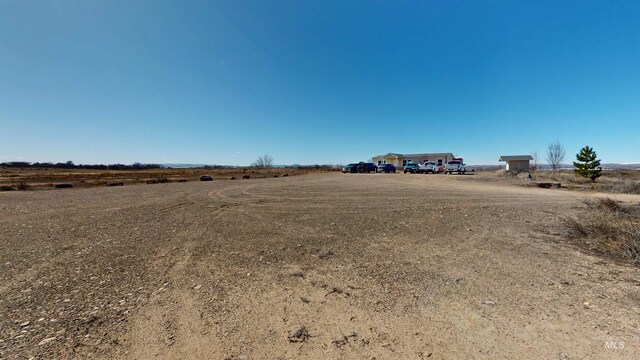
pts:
[222, 82]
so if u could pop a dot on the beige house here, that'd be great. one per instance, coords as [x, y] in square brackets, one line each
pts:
[517, 163]
[400, 160]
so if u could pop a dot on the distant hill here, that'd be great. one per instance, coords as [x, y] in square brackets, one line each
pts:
[182, 166]
[193, 166]
[632, 166]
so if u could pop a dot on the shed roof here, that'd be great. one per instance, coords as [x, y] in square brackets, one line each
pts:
[515, 157]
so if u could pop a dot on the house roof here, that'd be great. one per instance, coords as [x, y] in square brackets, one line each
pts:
[413, 155]
[515, 157]
[390, 154]
[427, 154]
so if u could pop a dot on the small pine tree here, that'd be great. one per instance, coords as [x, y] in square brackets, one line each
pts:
[588, 165]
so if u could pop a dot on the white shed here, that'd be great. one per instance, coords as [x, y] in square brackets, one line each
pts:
[518, 163]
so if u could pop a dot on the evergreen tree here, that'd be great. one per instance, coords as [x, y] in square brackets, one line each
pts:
[588, 165]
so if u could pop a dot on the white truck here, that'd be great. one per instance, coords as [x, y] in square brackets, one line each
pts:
[455, 166]
[429, 167]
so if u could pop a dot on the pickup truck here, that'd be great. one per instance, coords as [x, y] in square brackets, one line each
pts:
[454, 166]
[429, 167]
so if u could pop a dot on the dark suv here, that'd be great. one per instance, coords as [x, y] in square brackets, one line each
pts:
[367, 167]
[350, 168]
[386, 168]
[412, 168]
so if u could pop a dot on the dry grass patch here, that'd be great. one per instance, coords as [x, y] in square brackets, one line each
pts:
[608, 227]
[625, 186]
[612, 181]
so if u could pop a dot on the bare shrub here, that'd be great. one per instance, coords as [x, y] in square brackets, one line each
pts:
[603, 204]
[536, 158]
[575, 227]
[263, 162]
[555, 155]
[607, 227]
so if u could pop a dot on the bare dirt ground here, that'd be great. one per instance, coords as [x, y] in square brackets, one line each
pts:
[373, 266]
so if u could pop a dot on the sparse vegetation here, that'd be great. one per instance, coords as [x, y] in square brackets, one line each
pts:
[611, 181]
[587, 164]
[608, 227]
[45, 178]
[626, 186]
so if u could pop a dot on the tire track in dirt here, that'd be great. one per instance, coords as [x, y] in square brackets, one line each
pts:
[172, 326]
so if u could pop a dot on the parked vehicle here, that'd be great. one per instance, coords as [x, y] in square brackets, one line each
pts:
[429, 167]
[350, 168]
[386, 168]
[455, 166]
[411, 168]
[364, 167]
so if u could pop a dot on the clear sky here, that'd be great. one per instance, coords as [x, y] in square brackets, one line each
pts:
[222, 82]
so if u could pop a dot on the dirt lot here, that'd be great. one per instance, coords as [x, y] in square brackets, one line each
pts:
[373, 266]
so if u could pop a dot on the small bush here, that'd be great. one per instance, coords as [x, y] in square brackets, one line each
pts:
[162, 179]
[22, 186]
[608, 227]
[603, 204]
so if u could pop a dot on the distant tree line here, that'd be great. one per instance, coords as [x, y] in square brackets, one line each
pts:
[138, 166]
[71, 165]
[316, 167]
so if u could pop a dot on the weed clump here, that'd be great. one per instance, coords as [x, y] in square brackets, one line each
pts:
[607, 227]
